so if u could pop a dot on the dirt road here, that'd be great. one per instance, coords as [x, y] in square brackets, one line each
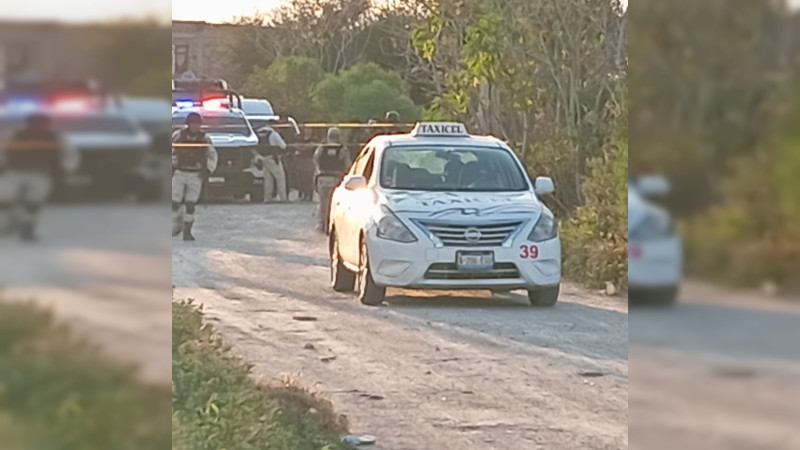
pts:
[719, 371]
[425, 372]
[105, 270]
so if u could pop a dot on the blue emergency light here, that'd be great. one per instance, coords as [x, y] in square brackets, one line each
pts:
[182, 104]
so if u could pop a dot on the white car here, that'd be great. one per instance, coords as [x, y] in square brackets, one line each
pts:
[655, 251]
[440, 209]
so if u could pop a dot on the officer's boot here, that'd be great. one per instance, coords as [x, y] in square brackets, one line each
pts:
[187, 231]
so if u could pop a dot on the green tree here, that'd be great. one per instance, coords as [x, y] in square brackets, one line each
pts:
[131, 52]
[363, 92]
[289, 84]
[752, 236]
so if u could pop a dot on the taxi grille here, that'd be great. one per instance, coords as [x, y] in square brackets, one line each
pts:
[449, 271]
[489, 235]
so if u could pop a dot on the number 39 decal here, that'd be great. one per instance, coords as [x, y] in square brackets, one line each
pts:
[528, 251]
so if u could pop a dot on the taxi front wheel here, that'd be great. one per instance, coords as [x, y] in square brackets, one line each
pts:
[369, 293]
[544, 297]
[342, 280]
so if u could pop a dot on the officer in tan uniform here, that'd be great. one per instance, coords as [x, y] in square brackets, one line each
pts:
[331, 161]
[193, 158]
[31, 162]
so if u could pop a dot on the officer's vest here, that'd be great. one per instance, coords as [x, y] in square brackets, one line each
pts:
[331, 159]
[265, 147]
[31, 150]
[192, 158]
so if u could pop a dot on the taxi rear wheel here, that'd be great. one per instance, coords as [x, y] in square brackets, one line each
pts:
[369, 293]
[545, 297]
[342, 280]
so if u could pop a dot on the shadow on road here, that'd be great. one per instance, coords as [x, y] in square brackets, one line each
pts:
[717, 330]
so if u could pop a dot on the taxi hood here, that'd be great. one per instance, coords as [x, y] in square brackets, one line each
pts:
[459, 205]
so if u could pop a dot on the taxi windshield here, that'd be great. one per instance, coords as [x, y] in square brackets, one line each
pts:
[468, 169]
[218, 125]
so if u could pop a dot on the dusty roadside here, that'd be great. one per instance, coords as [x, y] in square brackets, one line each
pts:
[421, 373]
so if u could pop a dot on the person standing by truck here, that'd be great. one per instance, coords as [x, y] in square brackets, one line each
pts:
[331, 160]
[271, 147]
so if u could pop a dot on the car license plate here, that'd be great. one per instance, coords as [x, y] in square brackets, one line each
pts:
[216, 180]
[475, 260]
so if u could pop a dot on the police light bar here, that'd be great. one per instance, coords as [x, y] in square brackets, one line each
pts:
[440, 129]
[209, 103]
[22, 103]
[217, 103]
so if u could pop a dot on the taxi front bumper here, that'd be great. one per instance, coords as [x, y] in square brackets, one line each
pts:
[655, 264]
[421, 265]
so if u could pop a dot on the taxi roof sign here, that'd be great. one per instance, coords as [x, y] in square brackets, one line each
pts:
[440, 129]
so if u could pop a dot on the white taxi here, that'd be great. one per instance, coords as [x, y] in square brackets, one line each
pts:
[439, 208]
[655, 250]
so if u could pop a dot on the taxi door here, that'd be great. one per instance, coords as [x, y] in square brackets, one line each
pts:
[353, 208]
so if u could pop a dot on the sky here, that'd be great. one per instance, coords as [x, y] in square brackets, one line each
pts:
[99, 10]
[219, 10]
[83, 10]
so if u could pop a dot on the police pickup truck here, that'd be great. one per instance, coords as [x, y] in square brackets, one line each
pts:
[110, 145]
[439, 208]
[235, 142]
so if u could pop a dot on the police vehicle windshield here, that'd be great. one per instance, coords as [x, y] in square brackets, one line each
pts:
[256, 107]
[218, 124]
[451, 169]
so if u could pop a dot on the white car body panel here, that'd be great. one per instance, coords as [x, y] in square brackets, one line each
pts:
[655, 262]
[398, 264]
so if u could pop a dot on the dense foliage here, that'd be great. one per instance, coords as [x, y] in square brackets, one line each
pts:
[59, 393]
[715, 107]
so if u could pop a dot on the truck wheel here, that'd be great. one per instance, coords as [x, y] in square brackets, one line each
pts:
[369, 293]
[545, 297]
[342, 280]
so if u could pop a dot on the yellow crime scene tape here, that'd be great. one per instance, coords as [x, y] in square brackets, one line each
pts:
[349, 125]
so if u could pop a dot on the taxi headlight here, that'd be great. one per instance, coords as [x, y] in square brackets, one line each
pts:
[652, 227]
[392, 228]
[545, 228]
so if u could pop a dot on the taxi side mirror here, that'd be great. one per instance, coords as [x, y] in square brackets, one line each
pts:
[543, 185]
[355, 182]
[652, 186]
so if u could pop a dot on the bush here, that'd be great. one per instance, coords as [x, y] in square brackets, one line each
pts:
[753, 236]
[595, 238]
[289, 84]
[59, 393]
[217, 405]
[363, 92]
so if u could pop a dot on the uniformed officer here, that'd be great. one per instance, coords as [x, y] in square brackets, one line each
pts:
[35, 158]
[194, 157]
[331, 160]
[271, 149]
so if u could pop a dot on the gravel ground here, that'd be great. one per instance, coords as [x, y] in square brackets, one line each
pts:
[429, 370]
